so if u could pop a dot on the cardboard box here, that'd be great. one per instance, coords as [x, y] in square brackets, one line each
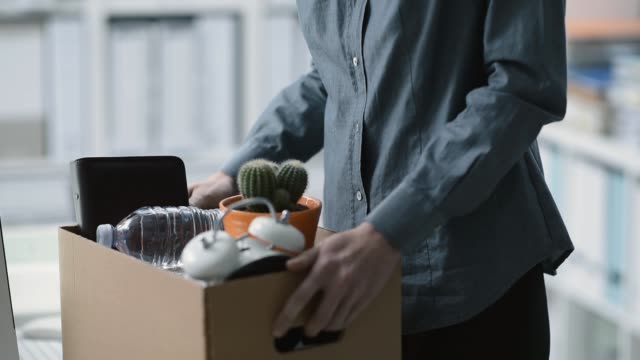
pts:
[117, 307]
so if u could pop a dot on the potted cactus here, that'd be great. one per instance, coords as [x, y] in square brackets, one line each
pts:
[283, 185]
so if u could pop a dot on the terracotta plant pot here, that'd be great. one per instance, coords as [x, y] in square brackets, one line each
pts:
[237, 222]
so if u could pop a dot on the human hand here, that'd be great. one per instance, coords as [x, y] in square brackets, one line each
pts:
[208, 193]
[349, 269]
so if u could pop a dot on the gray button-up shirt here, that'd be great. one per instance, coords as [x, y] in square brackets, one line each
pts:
[428, 112]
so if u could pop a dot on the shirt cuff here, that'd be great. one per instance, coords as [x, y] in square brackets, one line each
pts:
[405, 219]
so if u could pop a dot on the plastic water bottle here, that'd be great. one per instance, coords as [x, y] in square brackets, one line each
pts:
[158, 235]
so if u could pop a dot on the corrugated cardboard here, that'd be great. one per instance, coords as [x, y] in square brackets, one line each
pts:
[116, 307]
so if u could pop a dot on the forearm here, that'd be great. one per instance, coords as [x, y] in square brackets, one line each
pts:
[292, 127]
[466, 158]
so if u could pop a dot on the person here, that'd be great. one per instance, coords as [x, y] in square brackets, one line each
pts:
[428, 113]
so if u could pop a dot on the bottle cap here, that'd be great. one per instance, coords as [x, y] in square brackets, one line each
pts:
[104, 235]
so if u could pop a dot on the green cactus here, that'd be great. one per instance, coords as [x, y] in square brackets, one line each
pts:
[281, 200]
[275, 167]
[293, 177]
[256, 178]
[282, 184]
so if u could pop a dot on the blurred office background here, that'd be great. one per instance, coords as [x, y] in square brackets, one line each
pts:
[188, 78]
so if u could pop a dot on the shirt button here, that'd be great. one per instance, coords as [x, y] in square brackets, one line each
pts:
[355, 61]
[357, 127]
[359, 196]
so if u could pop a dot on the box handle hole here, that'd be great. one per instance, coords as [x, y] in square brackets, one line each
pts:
[296, 340]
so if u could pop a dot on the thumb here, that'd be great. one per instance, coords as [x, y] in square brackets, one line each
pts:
[190, 188]
[303, 261]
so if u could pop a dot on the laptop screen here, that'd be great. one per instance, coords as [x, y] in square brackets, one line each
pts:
[8, 342]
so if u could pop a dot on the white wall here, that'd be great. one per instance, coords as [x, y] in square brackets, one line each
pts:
[21, 72]
[21, 90]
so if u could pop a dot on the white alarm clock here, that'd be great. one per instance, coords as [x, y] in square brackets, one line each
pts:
[210, 256]
[277, 234]
[215, 254]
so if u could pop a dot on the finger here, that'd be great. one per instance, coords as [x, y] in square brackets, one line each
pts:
[300, 298]
[195, 201]
[190, 189]
[339, 320]
[357, 308]
[303, 261]
[325, 311]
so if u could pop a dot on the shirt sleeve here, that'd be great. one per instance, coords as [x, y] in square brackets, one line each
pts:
[525, 58]
[292, 126]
